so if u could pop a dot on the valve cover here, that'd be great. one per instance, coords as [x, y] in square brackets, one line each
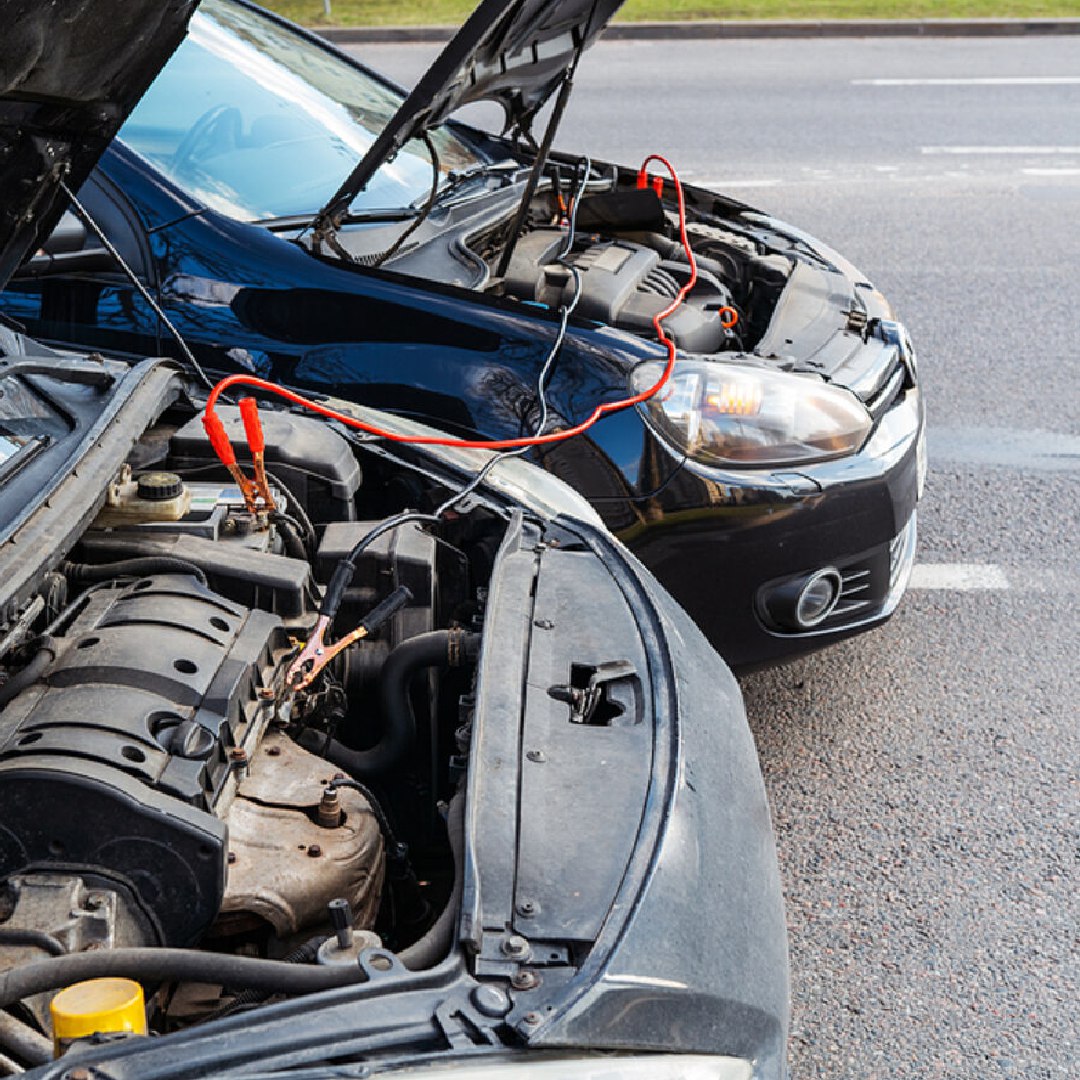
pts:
[123, 758]
[623, 284]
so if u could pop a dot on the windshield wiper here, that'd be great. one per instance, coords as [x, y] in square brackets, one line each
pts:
[359, 217]
[456, 179]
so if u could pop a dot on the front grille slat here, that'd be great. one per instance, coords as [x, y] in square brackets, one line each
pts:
[849, 608]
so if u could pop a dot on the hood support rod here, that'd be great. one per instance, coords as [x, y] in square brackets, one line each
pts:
[545, 148]
[537, 169]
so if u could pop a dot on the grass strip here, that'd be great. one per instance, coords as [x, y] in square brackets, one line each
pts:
[453, 12]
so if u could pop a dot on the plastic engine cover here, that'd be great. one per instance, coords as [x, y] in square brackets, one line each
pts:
[623, 284]
[117, 762]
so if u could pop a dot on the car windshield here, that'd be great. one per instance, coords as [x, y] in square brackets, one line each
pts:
[258, 122]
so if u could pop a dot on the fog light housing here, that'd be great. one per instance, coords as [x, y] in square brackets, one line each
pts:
[804, 602]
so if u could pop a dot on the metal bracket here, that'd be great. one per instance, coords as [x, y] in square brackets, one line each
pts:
[584, 700]
[504, 954]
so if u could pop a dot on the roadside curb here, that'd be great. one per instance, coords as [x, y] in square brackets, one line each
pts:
[799, 28]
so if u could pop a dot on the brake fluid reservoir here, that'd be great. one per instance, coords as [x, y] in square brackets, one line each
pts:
[153, 496]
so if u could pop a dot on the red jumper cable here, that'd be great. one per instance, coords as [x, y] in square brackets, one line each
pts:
[316, 654]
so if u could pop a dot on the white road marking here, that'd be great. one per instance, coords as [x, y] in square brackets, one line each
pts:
[709, 182]
[1005, 448]
[1027, 151]
[931, 172]
[978, 80]
[962, 577]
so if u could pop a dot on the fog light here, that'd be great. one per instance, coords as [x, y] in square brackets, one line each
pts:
[818, 598]
[804, 602]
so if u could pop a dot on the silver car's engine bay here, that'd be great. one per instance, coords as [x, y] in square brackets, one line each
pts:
[163, 787]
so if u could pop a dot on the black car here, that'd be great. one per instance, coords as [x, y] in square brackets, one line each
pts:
[342, 756]
[771, 486]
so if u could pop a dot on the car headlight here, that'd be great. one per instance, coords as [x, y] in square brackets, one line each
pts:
[543, 1066]
[731, 415]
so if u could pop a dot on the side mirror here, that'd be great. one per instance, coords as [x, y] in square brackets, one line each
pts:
[69, 235]
[88, 261]
[65, 252]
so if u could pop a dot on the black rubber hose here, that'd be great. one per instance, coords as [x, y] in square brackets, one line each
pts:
[437, 648]
[142, 566]
[38, 939]
[29, 674]
[174, 965]
[289, 530]
[24, 1041]
[435, 944]
[294, 507]
[307, 953]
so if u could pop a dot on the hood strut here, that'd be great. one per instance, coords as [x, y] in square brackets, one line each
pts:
[514, 52]
[534, 174]
[544, 149]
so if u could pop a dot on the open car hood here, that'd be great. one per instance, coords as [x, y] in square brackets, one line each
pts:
[514, 52]
[70, 71]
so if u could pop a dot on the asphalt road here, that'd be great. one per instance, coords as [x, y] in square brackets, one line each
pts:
[924, 778]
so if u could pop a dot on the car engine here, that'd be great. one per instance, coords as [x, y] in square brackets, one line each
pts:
[159, 784]
[624, 283]
[615, 258]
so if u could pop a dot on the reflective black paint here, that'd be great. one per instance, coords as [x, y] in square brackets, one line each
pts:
[246, 298]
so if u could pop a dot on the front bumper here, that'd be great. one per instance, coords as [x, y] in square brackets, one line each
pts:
[722, 542]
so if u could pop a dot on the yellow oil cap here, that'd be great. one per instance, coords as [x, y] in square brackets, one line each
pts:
[97, 1006]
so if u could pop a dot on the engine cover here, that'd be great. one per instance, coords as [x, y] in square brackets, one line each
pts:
[623, 284]
[122, 759]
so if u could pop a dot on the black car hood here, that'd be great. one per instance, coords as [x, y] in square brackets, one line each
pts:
[70, 71]
[514, 52]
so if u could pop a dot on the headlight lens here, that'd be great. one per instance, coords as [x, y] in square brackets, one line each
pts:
[733, 415]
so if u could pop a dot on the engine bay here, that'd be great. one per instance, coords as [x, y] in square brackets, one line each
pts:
[623, 242]
[162, 786]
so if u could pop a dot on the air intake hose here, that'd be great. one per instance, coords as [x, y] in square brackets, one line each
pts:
[437, 648]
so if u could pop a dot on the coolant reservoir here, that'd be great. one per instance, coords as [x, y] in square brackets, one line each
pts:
[97, 1007]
